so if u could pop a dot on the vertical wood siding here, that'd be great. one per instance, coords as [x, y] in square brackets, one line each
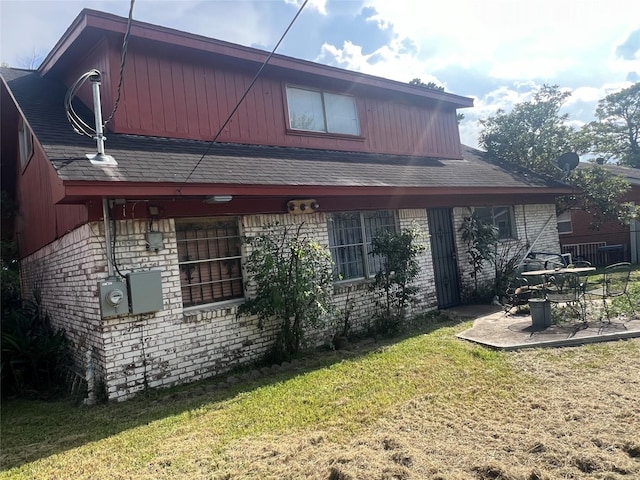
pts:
[172, 96]
[100, 59]
[46, 221]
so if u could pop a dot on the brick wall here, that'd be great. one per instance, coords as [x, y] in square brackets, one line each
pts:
[530, 221]
[65, 274]
[134, 352]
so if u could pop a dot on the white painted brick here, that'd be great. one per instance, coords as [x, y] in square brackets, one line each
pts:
[181, 346]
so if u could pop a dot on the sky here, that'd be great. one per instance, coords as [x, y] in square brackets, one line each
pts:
[494, 51]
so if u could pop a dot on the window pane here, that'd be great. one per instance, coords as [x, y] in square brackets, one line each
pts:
[484, 214]
[345, 244]
[341, 113]
[375, 223]
[347, 241]
[305, 110]
[209, 258]
[499, 217]
[564, 222]
[502, 220]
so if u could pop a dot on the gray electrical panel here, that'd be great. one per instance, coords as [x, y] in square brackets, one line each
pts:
[145, 291]
[113, 297]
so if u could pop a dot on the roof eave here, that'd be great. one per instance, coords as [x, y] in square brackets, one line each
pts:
[76, 190]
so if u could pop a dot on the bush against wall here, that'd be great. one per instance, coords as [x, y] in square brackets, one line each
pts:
[393, 282]
[35, 356]
[291, 275]
[481, 239]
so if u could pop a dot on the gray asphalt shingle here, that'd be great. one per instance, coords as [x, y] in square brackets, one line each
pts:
[155, 159]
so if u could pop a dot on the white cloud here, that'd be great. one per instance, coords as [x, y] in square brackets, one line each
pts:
[319, 5]
[517, 39]
[389, 61]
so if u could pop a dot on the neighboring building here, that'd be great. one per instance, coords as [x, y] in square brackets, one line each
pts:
[613, 241]
[370, 152]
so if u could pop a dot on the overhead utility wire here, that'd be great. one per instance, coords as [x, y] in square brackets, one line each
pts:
[79, 125]
[123, 58]
[255, 78]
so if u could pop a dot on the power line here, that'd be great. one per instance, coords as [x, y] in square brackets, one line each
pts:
[123, 58]
[255, 78]
[80, 126]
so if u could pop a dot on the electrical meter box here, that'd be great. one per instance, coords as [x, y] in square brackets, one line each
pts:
[145, 291]
[113, 297]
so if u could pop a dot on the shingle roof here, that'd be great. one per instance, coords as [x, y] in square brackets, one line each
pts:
[154, 159]
[631, 174]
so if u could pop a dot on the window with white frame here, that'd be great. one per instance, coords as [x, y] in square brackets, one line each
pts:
[318, 111]
[209, 258]
[25, 143]
[500, 217]
[564, 222]
[350, 235]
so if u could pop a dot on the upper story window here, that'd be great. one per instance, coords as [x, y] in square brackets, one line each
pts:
[564, 222]
[350, 236]
[317, 111]
[209, 258]
[25, 142]
[499, 217]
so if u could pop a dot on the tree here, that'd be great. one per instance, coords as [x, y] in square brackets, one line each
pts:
[434, 86]
[431, 85]
[616, 133]
[293, 283]
[534, 134]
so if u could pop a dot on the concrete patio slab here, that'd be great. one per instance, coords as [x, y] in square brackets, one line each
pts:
[494, 328]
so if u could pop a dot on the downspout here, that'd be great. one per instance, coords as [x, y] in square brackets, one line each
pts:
[634, 239]
[107, 236]
[91, 379]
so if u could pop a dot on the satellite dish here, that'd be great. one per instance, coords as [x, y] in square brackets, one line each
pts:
[568, 161]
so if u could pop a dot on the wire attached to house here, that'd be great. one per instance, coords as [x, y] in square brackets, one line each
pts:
[244, 95]
[123, 59]
[79, 126]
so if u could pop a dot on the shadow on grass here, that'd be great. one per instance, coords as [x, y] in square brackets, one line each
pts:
[35, 429]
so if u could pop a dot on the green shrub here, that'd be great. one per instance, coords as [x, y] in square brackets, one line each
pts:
[34, 355]
[293, 284]
[393, 283]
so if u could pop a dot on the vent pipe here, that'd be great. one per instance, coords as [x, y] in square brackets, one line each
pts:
[99, 158]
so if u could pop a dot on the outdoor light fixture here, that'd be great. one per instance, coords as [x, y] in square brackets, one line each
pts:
[219, 199]
[299, 207]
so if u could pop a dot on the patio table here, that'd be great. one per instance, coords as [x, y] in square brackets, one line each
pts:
[577, 270]
[561, 297]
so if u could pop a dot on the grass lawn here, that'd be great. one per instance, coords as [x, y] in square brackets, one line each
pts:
[427, 406]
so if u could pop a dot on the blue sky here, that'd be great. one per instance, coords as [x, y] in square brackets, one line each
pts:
[495, 51]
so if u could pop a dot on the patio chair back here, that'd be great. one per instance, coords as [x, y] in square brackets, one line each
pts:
[616, 279]
[566, 288]
[615, 283]
[569, 288]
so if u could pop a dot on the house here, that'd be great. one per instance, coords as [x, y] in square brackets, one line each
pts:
[613, 241]
[363, 153]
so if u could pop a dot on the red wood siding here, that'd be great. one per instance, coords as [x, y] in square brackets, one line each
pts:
[97, 58]
[179, 97]
[611, 232]
[40, 221]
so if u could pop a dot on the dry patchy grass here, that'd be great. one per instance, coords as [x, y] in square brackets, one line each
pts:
[430, 406]
[575, 413]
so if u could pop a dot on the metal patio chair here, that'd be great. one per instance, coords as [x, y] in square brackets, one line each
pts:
[520, 290]
[615, 284]
[569, 289]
